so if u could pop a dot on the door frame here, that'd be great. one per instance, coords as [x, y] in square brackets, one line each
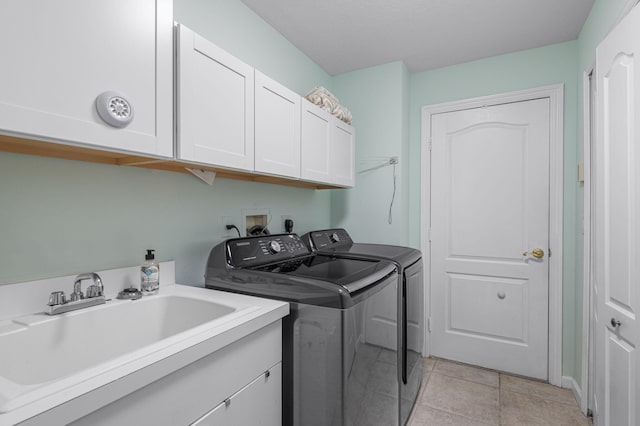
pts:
[555, 93]
[586, 375]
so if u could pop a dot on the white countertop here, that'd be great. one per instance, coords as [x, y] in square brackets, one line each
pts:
[131, 370]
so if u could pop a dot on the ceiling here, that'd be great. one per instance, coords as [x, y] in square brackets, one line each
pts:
[345, 35]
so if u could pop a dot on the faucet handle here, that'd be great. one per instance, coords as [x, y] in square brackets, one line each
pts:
[57, 298]
[77, 295]
[93, 291]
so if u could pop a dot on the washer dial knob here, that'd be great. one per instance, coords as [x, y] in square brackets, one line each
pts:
[335, 237]
[274, 247]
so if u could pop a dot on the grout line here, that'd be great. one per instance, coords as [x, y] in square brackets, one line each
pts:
[499, 399]
[460, 415]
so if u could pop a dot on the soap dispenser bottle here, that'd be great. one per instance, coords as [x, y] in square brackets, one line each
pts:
[150, 274]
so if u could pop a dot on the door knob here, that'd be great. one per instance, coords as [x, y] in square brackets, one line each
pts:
[615, 323]
[538, 253]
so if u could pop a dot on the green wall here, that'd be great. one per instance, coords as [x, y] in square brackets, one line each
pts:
[378, 99]
[65, 217]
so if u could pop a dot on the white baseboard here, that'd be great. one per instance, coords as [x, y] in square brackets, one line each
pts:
[570, 383]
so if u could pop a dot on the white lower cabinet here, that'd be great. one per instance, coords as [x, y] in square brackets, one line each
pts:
[258, 403]
[196, 394]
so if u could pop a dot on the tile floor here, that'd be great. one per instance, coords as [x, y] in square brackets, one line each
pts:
[461, 395]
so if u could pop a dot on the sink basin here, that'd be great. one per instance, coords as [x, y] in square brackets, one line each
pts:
[58, 369]
[59, 346]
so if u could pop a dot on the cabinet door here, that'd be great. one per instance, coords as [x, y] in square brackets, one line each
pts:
[59, 56]
[342, 154]
[277, 143]
[258, 403]
[215, 104]
[317, 127]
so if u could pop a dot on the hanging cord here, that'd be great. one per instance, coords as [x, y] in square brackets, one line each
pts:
[393, 161]
[236, 228]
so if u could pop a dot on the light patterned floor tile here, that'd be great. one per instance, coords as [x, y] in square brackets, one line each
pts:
[524, 410]
[468, 399]
[467, 372]
[426, 416]
[457, 394]
[536, 388]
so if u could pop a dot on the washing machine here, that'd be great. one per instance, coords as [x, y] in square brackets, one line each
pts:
[340, 342]
[410, 300]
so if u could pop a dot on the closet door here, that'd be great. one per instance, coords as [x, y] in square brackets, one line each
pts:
[617, 227]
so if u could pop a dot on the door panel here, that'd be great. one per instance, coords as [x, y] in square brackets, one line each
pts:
[490, 205]
[479, 213]
[473, 307]
[617, 237]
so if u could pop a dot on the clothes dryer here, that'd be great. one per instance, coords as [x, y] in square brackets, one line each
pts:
[410, 299]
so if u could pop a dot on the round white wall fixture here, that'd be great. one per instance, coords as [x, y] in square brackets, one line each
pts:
[114, 109]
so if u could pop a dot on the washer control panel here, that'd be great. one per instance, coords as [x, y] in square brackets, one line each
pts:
[329, 238]
[264, 249]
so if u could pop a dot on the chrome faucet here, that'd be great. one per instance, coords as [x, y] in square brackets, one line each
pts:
[94, 290]
[58, 303]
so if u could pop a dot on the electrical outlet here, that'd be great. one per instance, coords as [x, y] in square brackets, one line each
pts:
[228, 220]
[282, 219]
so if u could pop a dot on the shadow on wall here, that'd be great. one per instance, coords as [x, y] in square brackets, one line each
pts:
[339, 206]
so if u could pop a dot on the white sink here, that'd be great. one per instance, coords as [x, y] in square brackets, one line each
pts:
[40, 348]
[46, 361]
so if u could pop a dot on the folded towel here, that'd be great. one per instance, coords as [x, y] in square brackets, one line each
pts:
[326, 100]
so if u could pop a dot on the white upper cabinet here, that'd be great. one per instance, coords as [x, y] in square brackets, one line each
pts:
[317, 129]
[215, 104]
[233, 116]
[327, 147]
[342, 154]
[277, 128]
[58, 57]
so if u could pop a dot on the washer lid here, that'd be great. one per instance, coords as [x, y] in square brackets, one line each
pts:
[352, 274]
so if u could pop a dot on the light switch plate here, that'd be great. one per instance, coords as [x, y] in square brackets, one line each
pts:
[581, 172]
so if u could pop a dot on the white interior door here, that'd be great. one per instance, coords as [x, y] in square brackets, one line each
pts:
[617, 233]
[489, 206]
